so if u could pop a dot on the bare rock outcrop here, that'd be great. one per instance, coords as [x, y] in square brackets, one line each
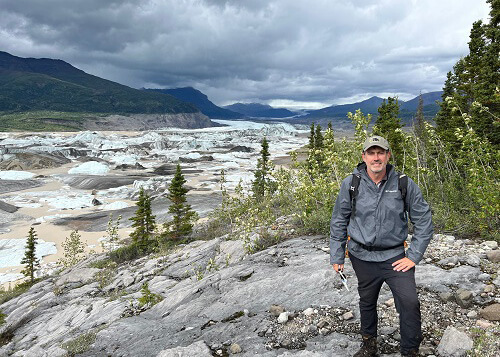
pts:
[217, 299]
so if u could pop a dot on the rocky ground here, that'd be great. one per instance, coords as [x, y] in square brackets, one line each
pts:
[216, 300]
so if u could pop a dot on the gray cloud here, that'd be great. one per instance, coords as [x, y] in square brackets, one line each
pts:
[262, 50]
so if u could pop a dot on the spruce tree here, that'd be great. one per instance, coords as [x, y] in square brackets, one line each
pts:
[144, 222]
[311, 137]
[419, 119]
[183, 216]
[261, 182]
[30, 259]
[318, 138]
[318, 148]
[475, 79]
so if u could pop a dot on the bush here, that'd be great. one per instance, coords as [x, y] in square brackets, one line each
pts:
[127, 253]
[19, 289]
[148, 299]
[81, 343]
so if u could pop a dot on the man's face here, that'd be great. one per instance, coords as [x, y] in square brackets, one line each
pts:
[376, 159]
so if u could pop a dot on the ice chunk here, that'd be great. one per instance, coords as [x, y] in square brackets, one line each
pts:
[90, 168]
[16, 175]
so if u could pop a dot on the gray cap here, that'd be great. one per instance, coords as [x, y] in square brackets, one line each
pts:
[376, 141]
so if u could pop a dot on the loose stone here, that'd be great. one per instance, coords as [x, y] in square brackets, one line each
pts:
[348, 316]
[283, 317]
[235, 348]
[276, 310]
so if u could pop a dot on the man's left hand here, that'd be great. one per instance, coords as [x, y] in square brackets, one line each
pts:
[404, 264]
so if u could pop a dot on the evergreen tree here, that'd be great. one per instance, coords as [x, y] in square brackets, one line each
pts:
[318, 148]
[388, 125]
[330, 126]
[30, 259]
[262, 183]
[183, 215]
[311, 137]
[144, 222]
[419, 118]
[446, 122]
[475, 80]
[318, 138]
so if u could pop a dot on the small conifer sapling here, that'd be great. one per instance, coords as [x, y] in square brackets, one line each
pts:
[144, 221]
[183, 216]
[30, 259]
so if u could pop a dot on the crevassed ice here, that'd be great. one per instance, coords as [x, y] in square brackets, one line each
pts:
[12, 251]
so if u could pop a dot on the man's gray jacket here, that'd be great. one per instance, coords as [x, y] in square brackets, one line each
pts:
[379, 219]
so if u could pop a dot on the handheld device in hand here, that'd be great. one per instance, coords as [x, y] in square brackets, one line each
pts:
[343, 278]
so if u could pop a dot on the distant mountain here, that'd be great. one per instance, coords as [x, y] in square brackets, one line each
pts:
[201, 101]
[258, 110]
[429, 99]
[30, 84]
[369, 106]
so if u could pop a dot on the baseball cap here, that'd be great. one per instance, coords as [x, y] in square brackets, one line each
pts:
[376, 141]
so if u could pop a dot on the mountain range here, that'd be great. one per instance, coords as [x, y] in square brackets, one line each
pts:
[28, 84]
[258, 110]
[408, 109]
[44, 84]
[201, 101]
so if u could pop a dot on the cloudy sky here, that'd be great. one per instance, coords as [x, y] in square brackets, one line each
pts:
[294, 53]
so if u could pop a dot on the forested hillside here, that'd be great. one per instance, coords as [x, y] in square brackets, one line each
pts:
[28, 84]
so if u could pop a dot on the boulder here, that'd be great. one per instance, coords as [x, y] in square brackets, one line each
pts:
[490, 244]
[276, 310]
[449, 261]
[491, 312]
[472, 260]
[463, 298]
[494, 255]
[454, 343]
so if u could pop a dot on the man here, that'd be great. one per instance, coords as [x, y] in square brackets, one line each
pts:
[377, 228]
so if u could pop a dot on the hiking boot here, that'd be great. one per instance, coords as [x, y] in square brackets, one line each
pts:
[410, 353]
[368, 348]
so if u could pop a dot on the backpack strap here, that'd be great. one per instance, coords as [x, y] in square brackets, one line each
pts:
[403, 186]
[353, 191]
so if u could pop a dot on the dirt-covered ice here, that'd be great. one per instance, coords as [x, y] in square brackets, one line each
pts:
[88, 175]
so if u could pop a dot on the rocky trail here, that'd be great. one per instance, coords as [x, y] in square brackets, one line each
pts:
[218, 301]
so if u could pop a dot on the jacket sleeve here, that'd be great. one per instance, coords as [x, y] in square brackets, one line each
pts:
[421, 217]
[338, 224]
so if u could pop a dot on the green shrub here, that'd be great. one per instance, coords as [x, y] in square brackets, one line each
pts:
[105, 276]
[148, 298]
[127, 253]
[81, 343]
[19, 289]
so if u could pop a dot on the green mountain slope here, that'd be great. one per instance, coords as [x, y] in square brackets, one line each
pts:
[28, 84]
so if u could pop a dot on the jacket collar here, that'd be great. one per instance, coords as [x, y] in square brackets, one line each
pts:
[361, 169]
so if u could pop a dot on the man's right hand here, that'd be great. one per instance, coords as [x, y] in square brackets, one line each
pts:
[338, 267]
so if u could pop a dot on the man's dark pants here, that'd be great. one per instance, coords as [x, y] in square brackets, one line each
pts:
[371, 276]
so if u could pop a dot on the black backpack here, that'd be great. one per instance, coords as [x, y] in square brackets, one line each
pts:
[356, 179]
